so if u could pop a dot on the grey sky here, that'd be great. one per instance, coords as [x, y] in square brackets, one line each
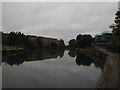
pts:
[0, 16]
[58, 20]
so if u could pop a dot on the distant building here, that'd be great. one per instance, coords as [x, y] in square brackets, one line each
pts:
[50, 41]
[102, 40]
[34, 40]
[46, 41]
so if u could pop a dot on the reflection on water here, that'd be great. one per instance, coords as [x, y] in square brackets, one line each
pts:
[25, 56]
[53, 68]
[21, 57]
[83, 59]
[0, 77]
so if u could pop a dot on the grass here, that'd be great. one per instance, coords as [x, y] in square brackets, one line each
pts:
[11, 48]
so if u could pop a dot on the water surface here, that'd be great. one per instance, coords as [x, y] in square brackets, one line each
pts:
[50, 69]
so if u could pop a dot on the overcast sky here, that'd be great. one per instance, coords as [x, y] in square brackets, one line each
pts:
[0, 16]
[58, 20]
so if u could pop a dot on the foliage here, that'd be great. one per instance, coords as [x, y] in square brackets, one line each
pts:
[81, 41]
[84, 40]
[115, 43]
[19, 40]
[72, 43]
[62, 43]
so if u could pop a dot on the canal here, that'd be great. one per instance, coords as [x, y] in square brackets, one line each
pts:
[50, 69]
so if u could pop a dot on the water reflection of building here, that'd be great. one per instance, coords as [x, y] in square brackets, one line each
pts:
[21, 57]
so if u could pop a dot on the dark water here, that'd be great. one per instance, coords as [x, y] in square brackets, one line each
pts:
[50, 69]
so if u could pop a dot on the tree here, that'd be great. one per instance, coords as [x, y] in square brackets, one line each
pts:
[84, 40]
[79, 37]
[115, 42]
[39, 42]
[12, 39]
[80, 41]
[62, 43]
[87, 40]
[72, 43]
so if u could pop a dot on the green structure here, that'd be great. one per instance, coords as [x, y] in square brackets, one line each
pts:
[102, 40]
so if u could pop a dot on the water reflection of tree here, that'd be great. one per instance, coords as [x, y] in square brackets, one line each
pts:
[17, 58]
[87, 60]
[82, 59]
[72, 53]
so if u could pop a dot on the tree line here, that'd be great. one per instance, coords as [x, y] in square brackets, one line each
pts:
[115, 42]
[18, 39]
[81, 41]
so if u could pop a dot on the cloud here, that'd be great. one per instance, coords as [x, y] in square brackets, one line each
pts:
[0, 16]
[59, 20]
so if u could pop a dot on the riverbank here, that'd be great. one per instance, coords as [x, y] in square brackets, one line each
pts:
[11, 48]
[6, 50]
[109, 76]
[15, 49]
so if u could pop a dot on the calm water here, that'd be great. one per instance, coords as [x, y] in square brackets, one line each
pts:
[50, 69]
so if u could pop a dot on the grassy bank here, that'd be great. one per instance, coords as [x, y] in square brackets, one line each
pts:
[11, 48]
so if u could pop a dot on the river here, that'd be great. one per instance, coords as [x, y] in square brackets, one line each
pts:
[50, 69]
